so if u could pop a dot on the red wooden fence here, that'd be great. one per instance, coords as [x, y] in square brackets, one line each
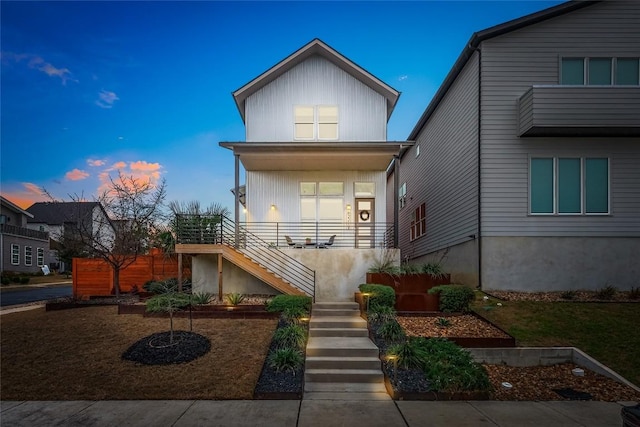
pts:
[94, 277]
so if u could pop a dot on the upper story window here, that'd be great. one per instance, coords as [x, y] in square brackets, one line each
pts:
[402, 195]
[319, 122]
[569, 185]
[600, 71]
[419, 222]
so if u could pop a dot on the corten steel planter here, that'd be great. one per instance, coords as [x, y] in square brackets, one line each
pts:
[412, 289]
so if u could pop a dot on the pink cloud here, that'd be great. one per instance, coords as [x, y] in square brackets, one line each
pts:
[141, 171]
[95, 163]
[26, 196]
[76, 175]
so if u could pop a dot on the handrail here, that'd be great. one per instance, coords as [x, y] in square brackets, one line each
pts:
[24, 232]
[216, 229]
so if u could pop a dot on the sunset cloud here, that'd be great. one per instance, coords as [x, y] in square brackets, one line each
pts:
[26, 195]
[76, 175]
[96, 163]
[106, 99]
[38, 63]
[141, 170]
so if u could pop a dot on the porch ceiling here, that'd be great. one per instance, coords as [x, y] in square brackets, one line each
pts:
[316, 156]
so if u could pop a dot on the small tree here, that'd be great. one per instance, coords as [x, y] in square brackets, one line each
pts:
[168, 301]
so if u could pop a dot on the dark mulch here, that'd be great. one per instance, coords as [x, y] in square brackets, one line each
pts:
[157, 349]
[272, 381]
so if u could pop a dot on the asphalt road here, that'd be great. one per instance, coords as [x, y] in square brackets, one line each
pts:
[23, 296]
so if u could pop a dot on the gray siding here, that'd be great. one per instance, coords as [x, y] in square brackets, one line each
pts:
[444, 175]
[362, 112]
[514, 62]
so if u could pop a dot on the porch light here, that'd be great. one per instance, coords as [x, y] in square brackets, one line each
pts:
[273, 207]
[244, 210]
[348, 207]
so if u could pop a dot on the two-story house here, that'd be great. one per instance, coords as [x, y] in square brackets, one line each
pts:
[315, 157]
[24, 250]
[525, 173]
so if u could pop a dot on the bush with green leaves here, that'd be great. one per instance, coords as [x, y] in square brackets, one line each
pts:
[5, 280]
[606, 293]
[234, 298]
[433, 269]
[454, 298]
[408, 354]
[168, 302]
[391, 331]
[290, 336]
[283, 359]
[280, 303]
[201, 298]
[379, 295]
[164, 286]
[443, 322]
[381, 314]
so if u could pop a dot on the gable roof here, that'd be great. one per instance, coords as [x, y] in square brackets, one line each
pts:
[489, 33]
[12, 206]
[316, 47]
[57, 213]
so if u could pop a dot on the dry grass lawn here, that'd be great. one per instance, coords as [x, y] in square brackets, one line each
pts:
[76, 355]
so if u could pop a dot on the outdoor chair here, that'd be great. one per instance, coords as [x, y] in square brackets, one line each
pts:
[292, 244]
[325, 245]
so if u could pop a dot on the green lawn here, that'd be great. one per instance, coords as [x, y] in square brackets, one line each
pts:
[606, 331]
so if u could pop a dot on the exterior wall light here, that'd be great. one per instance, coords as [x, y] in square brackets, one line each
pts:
[273, 207]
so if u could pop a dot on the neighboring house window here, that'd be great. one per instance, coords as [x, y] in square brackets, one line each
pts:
[315, 122]
[573, 186]
[417, 151]
[3, 219]
[402, 195]
[40, 256]
[419, 222]
[600, 71]
[15, 254]
[28, 255]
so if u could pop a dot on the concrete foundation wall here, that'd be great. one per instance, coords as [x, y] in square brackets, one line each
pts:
[461, 261]
[559, 263]
[204, 275]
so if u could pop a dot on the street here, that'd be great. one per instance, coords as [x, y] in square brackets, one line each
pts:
[23, 296]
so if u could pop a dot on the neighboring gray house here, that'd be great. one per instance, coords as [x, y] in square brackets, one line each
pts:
[61, 218]
[22, 249]
[525, 173]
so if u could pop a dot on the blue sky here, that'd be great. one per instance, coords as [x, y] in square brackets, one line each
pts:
[90, 88]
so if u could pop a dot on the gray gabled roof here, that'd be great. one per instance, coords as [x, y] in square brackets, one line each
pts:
[486, 34]
[57, 213]
[316, 47]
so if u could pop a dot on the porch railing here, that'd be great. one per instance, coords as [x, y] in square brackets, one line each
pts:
[24, 232]
[215, 229]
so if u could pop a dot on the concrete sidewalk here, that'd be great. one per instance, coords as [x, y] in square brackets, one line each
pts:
[310, 413]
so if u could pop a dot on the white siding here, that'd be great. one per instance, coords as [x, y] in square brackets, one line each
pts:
[362, 112]
[511, 64]
[444, 175]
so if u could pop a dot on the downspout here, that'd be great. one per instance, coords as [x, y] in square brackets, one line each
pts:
[237, 200]
[396, 180]
[479, 127]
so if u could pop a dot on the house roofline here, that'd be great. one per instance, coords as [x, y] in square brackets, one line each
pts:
[315, 145]
[15, 207]
[316, 47]
[486, 34]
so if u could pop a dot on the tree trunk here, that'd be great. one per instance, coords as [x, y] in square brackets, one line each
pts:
[116, 281]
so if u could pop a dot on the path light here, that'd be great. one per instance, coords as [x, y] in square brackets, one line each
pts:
[303, 319]
[394, 358]
[367, 295]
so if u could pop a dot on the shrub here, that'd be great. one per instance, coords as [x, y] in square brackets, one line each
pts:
[168, 285]
[409, 269]
[384, 263]
[379, 295]
[568, 295]
[15, 279]
[280, 303]
[454, 298]
[293, 314]
[606, 293]
[286, 359]
[201, 298]
[234, 298]
[381, 314]
[290, 336]
[24, 280]
[443, 322]
[391, 330]
[6, 281]
[433, 269]
[409, 354]
[634, 293]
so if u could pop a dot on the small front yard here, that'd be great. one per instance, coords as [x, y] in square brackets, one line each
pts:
[76, 355]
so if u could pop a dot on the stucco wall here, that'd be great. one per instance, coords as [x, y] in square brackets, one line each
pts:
[559, 263]
[461, 261]
[204, 275]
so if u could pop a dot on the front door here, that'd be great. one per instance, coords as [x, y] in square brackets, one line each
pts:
[365, 223]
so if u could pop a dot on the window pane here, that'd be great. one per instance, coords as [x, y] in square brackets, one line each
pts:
[328, 114]
[308, 209]
[331, 188]
[600, 71]
[304, 131]
[569, 186]
[541, 186]
[307, 188]
[327, 131]
[627, 71]
[597, 185]
[304, 114]
[365, 189]
[572, 71]
[330, 209]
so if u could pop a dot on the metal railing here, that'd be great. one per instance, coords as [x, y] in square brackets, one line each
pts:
[215, 229]
[24, 232]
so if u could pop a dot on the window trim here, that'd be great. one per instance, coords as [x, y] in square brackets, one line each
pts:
[316, 122]
[555, 188]
[402, 195]
[418, 222]
[15, 254]
[613, 72]
[40, 257]
[28, 255]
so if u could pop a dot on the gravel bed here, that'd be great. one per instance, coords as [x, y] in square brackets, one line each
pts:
[157, 349]
[463, 326]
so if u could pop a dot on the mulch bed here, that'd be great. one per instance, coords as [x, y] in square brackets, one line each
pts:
[159, 349]
[465, 325]
[575, 296]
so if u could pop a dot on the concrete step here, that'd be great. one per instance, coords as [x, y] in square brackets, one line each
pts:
[323, 387]
[341, 347]
[337, 322]
[343, 363]
[336, 305]
[338, 332]
[346, 395]
[335, 312]
[344, 375]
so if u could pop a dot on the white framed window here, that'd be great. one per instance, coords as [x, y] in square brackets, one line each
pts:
[315, 122]
[569, 186]
[418, 222]
[402, 195]
[307, 188]
[15, 254]
[28, 256]
[599, 71]
[331, 188]
[321, 201]
[364, 189]
[40, 257]
[417, 151]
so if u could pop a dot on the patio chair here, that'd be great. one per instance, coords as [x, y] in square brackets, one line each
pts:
[292, 244]
[325, 245]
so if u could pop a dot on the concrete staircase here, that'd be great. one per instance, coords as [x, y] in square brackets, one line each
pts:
[342, 363]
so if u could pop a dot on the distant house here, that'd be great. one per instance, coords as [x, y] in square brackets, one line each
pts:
[63, 219]
[315, 160]
[525, 173]
[24, 250]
